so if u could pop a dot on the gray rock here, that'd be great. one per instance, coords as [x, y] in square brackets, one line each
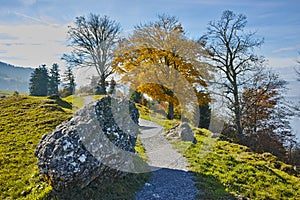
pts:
[181, 131]
[97, 142]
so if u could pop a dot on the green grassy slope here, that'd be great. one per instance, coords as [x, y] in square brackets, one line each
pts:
[224, 169]
[6, 93]
[23, 121]
[76, 101]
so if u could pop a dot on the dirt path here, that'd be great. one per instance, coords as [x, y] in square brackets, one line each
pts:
[88, 99]
[170, 178]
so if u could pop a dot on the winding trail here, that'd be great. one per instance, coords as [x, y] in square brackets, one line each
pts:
[88, 99]
[170, 177]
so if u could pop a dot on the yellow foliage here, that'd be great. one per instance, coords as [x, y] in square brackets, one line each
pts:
[160, 61]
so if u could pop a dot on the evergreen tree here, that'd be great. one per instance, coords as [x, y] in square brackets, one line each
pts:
[94, 84]
[54, 80]
[38, 85]
[69, 85]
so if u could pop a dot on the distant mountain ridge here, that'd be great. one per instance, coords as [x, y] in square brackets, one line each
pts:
[13, 78]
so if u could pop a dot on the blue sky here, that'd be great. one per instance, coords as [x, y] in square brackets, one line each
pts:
[33, 32]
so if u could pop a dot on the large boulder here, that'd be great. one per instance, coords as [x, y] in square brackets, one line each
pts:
[182, 132]
[98, 141]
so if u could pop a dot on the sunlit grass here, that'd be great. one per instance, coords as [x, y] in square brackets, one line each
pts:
[98, 96]
[232, 168]
[147, 114]
[5, 93]
[139, 148]
[23, 121]
[76, 101]
[225, 170]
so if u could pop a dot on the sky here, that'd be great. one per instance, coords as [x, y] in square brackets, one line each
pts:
[34, 32]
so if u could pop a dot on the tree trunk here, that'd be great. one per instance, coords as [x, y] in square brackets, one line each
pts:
[238, 120]
[101, 88]
[170, 114]
[237, 111]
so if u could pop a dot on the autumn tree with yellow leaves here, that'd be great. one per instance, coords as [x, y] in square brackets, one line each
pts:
[158, 59]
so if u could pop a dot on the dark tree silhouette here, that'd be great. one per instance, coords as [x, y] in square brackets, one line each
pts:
[54, 80]
[205, 115]
[38, 85]
[69, 82]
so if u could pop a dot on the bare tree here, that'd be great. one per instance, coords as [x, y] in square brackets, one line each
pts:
[231, 52]
[93, 40]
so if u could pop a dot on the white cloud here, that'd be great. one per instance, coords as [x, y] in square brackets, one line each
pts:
[284, 49]
[34, 19]
[276, 62]
[33, 44]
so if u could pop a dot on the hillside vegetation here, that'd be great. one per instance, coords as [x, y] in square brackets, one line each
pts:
[23, 121]
[5, 93]
[223, 169]
[226, 170]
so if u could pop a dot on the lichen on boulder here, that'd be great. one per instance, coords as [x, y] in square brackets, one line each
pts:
[98, 141]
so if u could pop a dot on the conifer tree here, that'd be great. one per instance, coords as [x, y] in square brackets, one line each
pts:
[38, 85]
[54, 80]
[69, 82]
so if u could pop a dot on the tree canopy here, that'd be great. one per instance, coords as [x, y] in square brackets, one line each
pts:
[264, 116]
[231, 52]
[54, 80]
[93, 40]
[38, 84]
[160, 61]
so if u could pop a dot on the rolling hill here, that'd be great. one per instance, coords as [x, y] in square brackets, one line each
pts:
[14, 78]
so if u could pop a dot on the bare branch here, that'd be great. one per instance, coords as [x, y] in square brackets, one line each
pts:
[93, 40]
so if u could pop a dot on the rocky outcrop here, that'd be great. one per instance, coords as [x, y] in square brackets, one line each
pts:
[182, 132]
[98, 141]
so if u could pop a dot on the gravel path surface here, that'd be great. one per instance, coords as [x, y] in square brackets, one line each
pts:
[88, 100]
[170, 178]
